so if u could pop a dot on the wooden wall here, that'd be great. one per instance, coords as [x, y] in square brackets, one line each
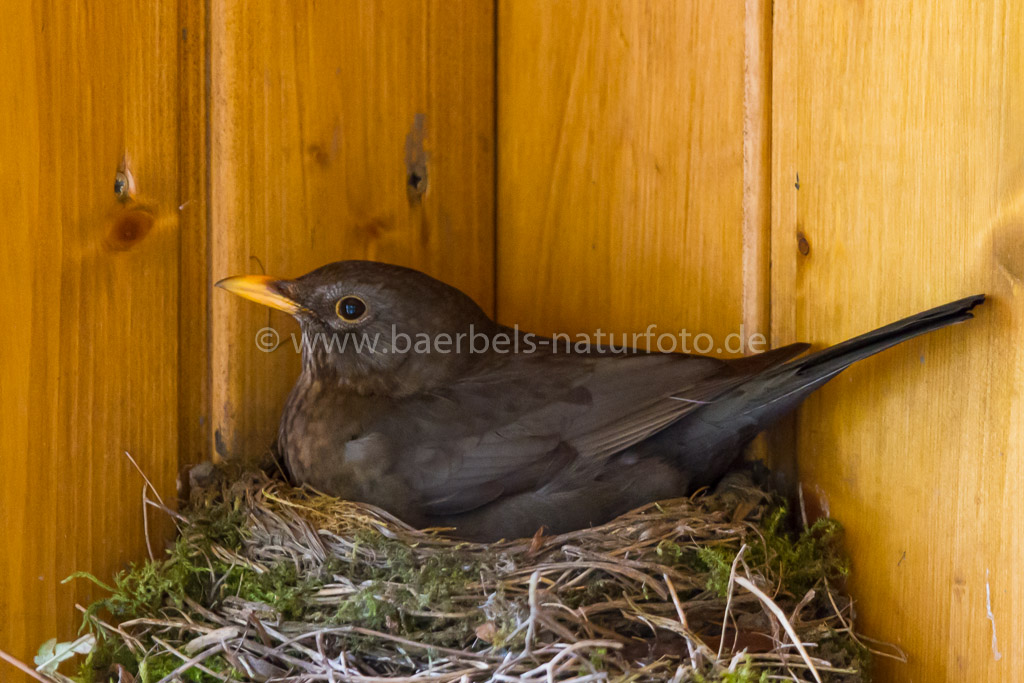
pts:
[905, 124]
[262, 137]
[603, 164]
[89, 350]
[339, 131]
[628, 168]
[620, 166]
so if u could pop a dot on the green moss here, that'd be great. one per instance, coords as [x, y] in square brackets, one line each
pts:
[693, 560]
[397, 585]
[845, 652]
[143, 588]
[222, 524]
[367, 608]
[509, 636]
[99, 666]
[153, 669]
[747, 672]
[102, 659]
[146, 588]
[801, 561]
[718, 563]
[397, 582]
[393, 585]
[431, 582]
[671, 553]
[443, 576]
[596, 590]
[281, 587]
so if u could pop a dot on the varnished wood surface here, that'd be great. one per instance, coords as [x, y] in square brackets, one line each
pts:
[89, 351]
[620, 166]
[195, 278]
[630, 140]
[905, 123]
[320, 115]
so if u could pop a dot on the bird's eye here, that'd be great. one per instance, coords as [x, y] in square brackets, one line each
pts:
[351, 309]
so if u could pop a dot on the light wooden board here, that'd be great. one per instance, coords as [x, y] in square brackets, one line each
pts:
[88, 355]
[620, 182]
[194, 366]
[905, 123]
[313, 105]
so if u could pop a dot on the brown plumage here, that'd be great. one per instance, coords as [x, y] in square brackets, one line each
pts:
[498, 444]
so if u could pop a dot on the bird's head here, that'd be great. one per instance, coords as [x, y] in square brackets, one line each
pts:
[376, 328]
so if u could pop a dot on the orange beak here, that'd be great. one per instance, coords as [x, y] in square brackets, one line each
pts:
[262, 290]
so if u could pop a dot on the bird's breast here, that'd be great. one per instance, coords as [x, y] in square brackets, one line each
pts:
[312, 436]
[325, 441]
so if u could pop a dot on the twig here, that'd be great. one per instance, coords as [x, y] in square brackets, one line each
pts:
[185, 658]
[682, 620]
[192, 662]
[25, 668]
[803, 507]
[531, 628]
[144, 477]
[728, 597]
[145, 523]
[781, 616]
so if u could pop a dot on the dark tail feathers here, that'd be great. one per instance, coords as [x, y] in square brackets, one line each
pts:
[773, 394]
[830, 361]
[708, 440]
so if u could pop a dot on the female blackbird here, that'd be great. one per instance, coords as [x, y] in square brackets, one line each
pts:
[412, 399]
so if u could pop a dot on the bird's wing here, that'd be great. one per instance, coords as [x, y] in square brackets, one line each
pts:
[512, 426]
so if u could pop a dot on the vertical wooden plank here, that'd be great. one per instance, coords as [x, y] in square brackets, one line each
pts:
[756, 163]
[194, 368]
[621, 159]
[88, 358]
[328, 122]
[783, 232]
[755, 261]
[906, 125]
[785, 182]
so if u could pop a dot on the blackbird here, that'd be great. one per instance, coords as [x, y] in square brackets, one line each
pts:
[412, 399]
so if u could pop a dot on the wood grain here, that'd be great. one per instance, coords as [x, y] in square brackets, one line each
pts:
[316, 110]
[88, 358]
[631, 190]
[757, 55]
[194, 366]
[906, 126]
[620, 182]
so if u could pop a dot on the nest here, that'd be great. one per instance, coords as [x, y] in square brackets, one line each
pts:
[268, 582]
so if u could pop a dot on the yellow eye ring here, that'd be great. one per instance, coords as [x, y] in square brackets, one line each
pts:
[351, 308]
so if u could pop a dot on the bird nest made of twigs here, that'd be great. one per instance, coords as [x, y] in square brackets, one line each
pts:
[268, 582]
